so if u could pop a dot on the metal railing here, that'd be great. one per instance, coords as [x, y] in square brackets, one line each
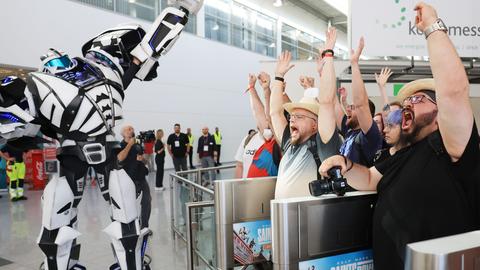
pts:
[193, 219]
[186, 187]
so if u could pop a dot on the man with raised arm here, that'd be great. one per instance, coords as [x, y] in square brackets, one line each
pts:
[430, 188]
[304, 148]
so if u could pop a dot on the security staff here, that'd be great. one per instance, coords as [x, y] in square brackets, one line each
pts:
[218, 142]
[15, 171]
[191, 140]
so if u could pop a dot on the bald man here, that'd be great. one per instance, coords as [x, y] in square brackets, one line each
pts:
[131, 160]
[206, 153]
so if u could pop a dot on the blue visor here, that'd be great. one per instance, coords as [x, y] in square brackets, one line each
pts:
[61, 62]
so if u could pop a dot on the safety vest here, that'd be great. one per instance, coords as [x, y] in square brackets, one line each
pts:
[218, 138]
[191, 139]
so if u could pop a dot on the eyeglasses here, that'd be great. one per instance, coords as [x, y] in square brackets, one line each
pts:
[292, 117]
[350, 107]
[415, 99]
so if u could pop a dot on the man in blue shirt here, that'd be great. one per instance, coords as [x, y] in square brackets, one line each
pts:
[362, 137]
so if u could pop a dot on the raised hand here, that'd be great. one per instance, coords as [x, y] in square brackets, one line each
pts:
[283, 64]
[342, 92]
[264, 80]
[383, 77]
[355, 55]
[251, 80]
[331, 38]
[426, 16]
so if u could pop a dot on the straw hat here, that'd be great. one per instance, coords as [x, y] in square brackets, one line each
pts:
[307, 103]
[414, 87]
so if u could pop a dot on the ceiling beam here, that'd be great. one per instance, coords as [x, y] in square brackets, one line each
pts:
[321, 15]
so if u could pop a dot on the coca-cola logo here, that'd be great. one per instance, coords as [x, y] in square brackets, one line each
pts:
[39, 167]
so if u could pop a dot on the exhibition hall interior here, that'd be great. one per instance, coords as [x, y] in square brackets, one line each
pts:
[239, 135]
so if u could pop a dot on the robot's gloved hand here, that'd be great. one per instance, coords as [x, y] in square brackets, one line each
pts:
[193, 6]
[162, 35]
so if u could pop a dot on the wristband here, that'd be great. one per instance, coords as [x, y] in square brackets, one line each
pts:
[249, 87]
[280, 79]
[328, 51]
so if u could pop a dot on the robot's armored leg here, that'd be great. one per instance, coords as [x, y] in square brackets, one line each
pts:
[127, 236]
[57, 237]
[60, 199]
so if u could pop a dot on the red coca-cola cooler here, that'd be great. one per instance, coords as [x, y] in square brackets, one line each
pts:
[35, 169]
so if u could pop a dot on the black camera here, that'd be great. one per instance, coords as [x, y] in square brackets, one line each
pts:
[335, 183]
[146, 136]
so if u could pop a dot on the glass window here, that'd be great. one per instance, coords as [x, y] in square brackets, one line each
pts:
[235, 24]
[225, 20]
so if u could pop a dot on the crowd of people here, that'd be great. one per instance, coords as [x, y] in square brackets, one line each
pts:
[151, 151]
[420, 152]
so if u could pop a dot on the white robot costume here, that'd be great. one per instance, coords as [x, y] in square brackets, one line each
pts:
[79, 101]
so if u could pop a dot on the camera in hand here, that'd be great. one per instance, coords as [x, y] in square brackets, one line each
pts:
[335, 183]
[146, 136]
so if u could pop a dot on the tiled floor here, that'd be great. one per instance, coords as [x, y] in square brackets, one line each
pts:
[20, 225]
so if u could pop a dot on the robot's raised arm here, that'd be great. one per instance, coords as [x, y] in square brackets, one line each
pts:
[163, 34]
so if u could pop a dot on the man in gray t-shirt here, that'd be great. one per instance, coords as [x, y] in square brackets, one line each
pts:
[298, 167]
[303, 134]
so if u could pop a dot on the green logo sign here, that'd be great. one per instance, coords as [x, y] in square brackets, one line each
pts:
[398, 22]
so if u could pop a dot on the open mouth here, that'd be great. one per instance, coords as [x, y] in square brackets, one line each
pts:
[407, 118]
[293, 130]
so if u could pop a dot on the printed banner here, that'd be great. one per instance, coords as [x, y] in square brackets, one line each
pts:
[252, 242]
[359, 260]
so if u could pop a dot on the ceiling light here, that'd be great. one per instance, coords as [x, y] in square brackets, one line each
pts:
[215, 27]
[278, 3]
[131, 1]
[310, 58]
[272, 45]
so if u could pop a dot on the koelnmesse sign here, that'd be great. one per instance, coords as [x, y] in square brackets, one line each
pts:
[389, 26]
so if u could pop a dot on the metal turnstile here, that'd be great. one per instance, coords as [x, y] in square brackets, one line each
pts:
[307, 229]
[239, 201]
[456, 252]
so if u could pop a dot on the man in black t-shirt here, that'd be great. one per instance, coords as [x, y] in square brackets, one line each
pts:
[178, 148]
[131, 160]
[430, 188]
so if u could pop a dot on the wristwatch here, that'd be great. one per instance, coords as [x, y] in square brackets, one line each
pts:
[438, 25]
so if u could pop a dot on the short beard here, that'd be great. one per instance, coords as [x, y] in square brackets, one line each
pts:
[418, 124]
[294, 142]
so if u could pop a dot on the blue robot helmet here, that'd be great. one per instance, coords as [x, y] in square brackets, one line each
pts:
[55, 61]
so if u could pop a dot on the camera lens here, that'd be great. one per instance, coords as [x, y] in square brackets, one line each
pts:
[320, 187]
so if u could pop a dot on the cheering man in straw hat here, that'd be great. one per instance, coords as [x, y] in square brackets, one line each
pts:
[300, 141]
[430, 188]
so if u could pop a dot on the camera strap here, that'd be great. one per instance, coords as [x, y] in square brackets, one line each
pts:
[312, 147]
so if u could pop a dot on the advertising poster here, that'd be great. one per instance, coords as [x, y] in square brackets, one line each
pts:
[389, 28]
[252, 242]
[359, 260]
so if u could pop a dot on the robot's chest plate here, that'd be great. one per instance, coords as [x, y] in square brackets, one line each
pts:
[77, 105]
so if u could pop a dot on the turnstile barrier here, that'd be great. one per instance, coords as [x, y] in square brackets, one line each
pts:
[318, 233]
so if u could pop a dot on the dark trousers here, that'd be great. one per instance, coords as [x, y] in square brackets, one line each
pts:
[190, 157]
[218, 148]
[160, 162]
[180, 164]
[146, 202]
